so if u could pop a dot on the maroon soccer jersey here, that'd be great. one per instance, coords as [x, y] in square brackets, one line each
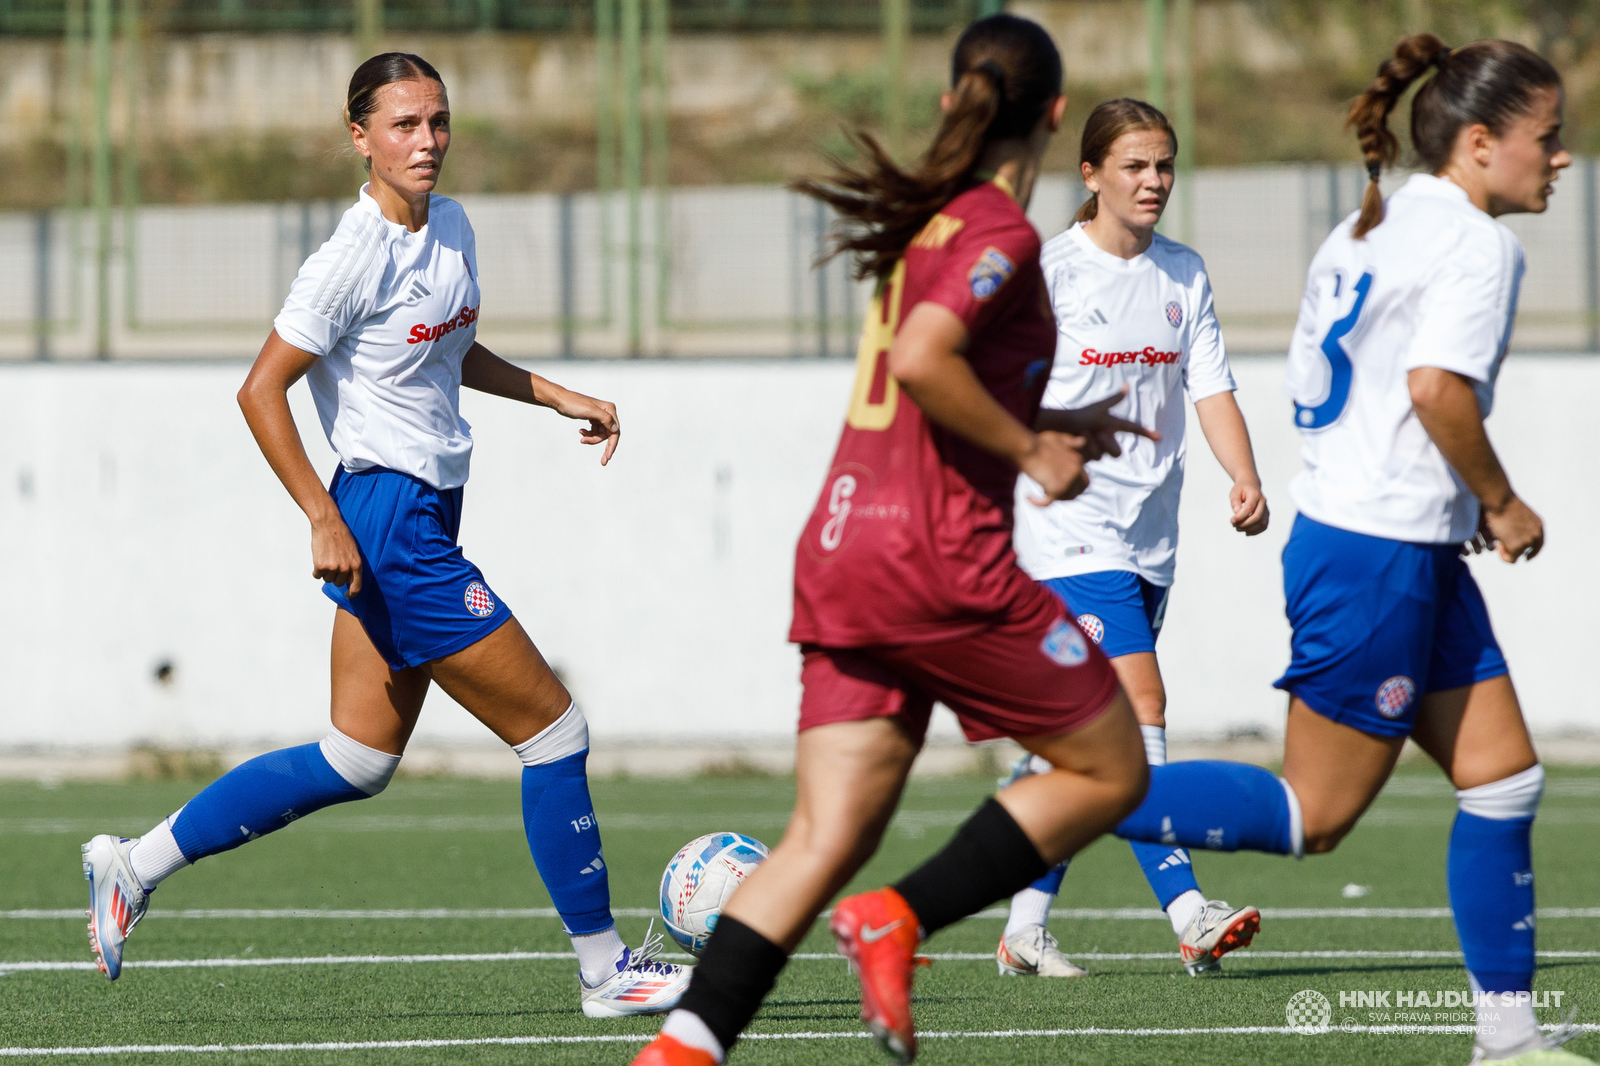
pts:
[910, 540]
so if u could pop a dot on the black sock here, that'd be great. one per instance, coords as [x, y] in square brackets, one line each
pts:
[989, 859]
[732, 978]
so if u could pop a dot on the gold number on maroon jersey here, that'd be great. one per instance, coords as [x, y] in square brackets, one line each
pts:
[876, 393]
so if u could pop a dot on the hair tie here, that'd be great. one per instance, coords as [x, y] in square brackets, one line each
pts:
[1374, 168]
[1441, 55]
[996, 74]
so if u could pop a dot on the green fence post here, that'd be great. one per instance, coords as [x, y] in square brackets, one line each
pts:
[605, 117]
[132, 72]
[1183, 114]
[1155, 18]
[100, 47]
[369, 28]
[896, 28]
[661, 156]
[633, 158]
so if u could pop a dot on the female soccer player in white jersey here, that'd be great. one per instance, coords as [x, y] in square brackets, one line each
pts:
[1133, 313]
[381, 321]
[1407, 312]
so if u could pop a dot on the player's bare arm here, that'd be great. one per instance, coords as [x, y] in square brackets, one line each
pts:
[484, 371]
[264, 398]
[1223, 424]
[1447, 407]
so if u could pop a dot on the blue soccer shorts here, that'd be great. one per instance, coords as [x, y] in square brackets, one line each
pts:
[1378, 624]
[1117, 609]
[420, 598]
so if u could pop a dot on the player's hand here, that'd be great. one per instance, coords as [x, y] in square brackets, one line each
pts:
[604, 426]
[1514, 530]
[1056, 464]
[334, 555]
[1096, 424]
[1250, 515]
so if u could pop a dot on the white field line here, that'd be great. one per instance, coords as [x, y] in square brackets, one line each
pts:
[598, 1038]
[433, 913]
[247, 962]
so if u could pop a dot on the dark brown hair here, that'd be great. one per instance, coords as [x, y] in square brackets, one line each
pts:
[1105, 124]
[1488, 82]
[1004, 74]
[384, 69]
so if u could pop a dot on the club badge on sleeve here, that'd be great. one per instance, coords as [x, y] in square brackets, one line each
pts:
[989, 273]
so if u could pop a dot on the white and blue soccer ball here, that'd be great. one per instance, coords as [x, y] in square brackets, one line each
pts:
[700, 879]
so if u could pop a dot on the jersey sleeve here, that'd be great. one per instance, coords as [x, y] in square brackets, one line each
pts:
[1464, 310]
[979, 272]
[1205, 356]
[335, 288]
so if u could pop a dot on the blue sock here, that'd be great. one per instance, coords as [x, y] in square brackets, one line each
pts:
[1220, 806]
[1491, 892]
[565, 840]
[258, 797]
[1167, 868]
[1051, 881]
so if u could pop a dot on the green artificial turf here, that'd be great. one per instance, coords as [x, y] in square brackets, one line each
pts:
[458, 845]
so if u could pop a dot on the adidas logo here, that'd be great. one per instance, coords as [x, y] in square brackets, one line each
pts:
[1524, 925]
[1093, 317]
[1177, 858]
[594, 867]
[418, 290]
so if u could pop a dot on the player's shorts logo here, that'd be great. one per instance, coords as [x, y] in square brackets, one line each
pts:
[1395, 695]
[480, 601]
[1092, 627]
[1174, 314]
[1064, 644]
[989, 273]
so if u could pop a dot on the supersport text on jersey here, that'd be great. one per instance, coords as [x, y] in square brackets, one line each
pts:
[391, 313]
[1433, 285]
[1147, 323]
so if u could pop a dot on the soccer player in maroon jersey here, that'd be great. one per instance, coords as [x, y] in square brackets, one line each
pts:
[907, 590]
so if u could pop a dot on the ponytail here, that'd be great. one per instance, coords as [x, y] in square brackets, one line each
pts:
[1004, 75]
[1486, 82]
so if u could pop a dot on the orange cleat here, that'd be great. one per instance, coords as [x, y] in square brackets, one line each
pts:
[668, 1051]
[879, 933]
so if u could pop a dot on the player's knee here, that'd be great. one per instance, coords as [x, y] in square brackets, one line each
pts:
[367, 769]
[1507, 799]
[566, 736]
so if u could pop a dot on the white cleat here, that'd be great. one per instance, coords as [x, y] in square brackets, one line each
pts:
[116, 900]
[1033, 952]
[1215, 931]
[640, 986]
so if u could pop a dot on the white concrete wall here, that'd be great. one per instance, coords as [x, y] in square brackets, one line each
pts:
[139, 524]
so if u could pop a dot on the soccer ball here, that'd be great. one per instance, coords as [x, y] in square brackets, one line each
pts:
[699, 880]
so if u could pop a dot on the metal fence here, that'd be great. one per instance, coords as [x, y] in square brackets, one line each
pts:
[712, 271]
[47, 17]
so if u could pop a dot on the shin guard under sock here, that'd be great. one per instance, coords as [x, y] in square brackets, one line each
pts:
[257, 797]
[734, 975]
[1219, 806]
[1490, 872]
[564, 838]
[990, 858]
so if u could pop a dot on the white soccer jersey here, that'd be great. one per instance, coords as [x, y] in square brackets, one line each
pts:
[391, 313]
[1147, 322]
[1434, 285]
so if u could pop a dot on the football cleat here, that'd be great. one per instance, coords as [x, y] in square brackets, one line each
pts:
[1024, 766]
[669, 1051]
[1215, 931]
[116, 900]
[1033, 952]
[879, 933]
[641, 985]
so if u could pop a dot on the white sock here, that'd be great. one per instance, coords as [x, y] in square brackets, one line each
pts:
[156, 856]
[1155, 744]
[1505, 1030]
[598, 954]
[1028, 907]
[687, 1029]
[1183, 909]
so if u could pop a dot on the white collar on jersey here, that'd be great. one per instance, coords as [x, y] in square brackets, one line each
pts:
[1429, 185]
